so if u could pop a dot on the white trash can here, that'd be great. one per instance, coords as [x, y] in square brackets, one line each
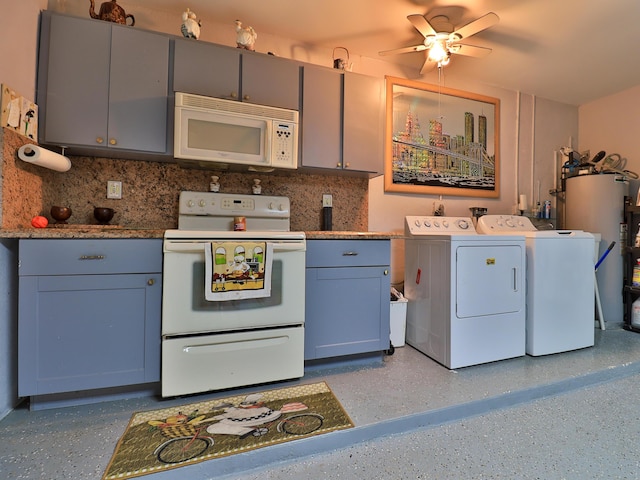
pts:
[398, 318]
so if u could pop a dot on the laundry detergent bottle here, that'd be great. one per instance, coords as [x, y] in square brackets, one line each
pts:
[635, 279]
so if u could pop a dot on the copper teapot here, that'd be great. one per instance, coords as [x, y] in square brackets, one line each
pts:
[111, 12]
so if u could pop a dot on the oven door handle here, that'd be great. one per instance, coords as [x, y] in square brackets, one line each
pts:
[182, 247]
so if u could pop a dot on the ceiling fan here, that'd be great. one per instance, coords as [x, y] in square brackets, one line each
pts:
[441, 40]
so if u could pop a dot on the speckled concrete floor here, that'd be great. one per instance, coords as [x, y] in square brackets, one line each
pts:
[569, 415]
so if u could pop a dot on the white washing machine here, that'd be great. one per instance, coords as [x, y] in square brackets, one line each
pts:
[560, 283]
[466, 292]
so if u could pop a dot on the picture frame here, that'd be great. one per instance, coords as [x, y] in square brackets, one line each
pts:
[441, 141]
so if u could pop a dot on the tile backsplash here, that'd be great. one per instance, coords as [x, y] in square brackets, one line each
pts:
[150, 191]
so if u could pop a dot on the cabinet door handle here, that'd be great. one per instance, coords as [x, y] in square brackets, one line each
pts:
[113, 141]
[245, 97]
[151, 282]
[91, 257]
[386, 272]
[349, 254]
[234, 95]
[99, 140]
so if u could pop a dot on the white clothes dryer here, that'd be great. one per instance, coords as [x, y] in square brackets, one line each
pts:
[560, 283]
[465, 291]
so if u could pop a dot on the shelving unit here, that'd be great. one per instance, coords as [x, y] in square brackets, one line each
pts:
[632, 253]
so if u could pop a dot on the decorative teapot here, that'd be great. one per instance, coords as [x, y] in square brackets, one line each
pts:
[111, 12]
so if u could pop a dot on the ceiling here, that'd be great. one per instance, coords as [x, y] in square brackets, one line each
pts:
[570, 51]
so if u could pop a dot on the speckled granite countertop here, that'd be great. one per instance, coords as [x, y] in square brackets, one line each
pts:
[96, 231]
[337, 235]
[87, 232]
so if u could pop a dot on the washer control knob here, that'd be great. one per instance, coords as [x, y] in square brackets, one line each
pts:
[463, 224]
[436, 224]
[417, 222]
[190, 203]
[509, 223]
[427, 223]
[445, 224]
[202, 203]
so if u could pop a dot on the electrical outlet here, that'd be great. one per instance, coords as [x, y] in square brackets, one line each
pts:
[327, 200]
[114, 189]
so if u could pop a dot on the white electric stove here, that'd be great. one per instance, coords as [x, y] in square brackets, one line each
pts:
[212, 345]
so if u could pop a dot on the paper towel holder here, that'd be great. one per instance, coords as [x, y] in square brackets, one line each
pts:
[30, 152]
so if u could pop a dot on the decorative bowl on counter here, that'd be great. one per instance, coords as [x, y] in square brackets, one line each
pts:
[60, 214]
[103, 214]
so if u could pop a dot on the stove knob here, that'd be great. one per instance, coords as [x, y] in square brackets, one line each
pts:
[417, 222]
[427, 223]
[190, 203]
[463, 225]
[509, 223]
[202, 203]
[281, 207]
[436, 223]
[271, 206]
[445, 224]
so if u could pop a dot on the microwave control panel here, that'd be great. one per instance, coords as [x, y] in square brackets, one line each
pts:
[284, 145]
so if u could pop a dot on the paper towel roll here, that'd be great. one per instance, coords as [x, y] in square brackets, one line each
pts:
[522, 204]
[44, 158]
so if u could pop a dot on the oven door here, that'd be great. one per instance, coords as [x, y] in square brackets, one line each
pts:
[185, 310]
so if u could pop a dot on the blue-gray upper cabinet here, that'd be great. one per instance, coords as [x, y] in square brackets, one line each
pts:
[206, 69]
[102, 85]
[321, 140]
[225, 72]
[88, 314]
[341, 121]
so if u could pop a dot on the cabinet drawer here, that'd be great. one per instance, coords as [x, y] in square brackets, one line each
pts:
[348, 253]
[89, 256]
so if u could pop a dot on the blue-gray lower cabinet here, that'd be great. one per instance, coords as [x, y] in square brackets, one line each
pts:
[347, 297]
[88, 314]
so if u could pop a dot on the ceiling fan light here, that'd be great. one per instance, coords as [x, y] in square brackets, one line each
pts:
[437, 53]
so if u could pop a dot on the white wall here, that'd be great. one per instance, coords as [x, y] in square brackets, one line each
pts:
[612, 124]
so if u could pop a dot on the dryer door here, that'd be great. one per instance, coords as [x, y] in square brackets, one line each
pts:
[489, 280]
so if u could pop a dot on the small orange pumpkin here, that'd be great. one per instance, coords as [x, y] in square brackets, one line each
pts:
[39, 221]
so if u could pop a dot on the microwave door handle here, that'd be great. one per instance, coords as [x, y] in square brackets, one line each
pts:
[268, 153]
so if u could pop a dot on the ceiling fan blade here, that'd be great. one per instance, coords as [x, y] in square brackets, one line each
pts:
[471, 50]
[420, 23]
[427, 66]
[482, 23]
[415, 48]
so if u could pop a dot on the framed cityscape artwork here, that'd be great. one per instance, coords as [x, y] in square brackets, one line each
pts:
[441, 141]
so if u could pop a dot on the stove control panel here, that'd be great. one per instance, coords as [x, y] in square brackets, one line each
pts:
[418, 225]
[229, 204]
[219, 211]
[504, 224]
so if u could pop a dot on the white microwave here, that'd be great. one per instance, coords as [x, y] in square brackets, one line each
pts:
[229, 132]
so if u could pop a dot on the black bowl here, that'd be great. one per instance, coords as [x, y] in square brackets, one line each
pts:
[103, 214]
[60, 214]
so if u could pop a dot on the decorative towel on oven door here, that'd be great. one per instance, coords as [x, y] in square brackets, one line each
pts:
[235, 270]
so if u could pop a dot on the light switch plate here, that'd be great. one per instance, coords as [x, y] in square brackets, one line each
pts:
[327, 200]
[114, 189]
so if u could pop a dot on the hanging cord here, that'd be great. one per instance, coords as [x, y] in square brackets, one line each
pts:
[440, 80]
